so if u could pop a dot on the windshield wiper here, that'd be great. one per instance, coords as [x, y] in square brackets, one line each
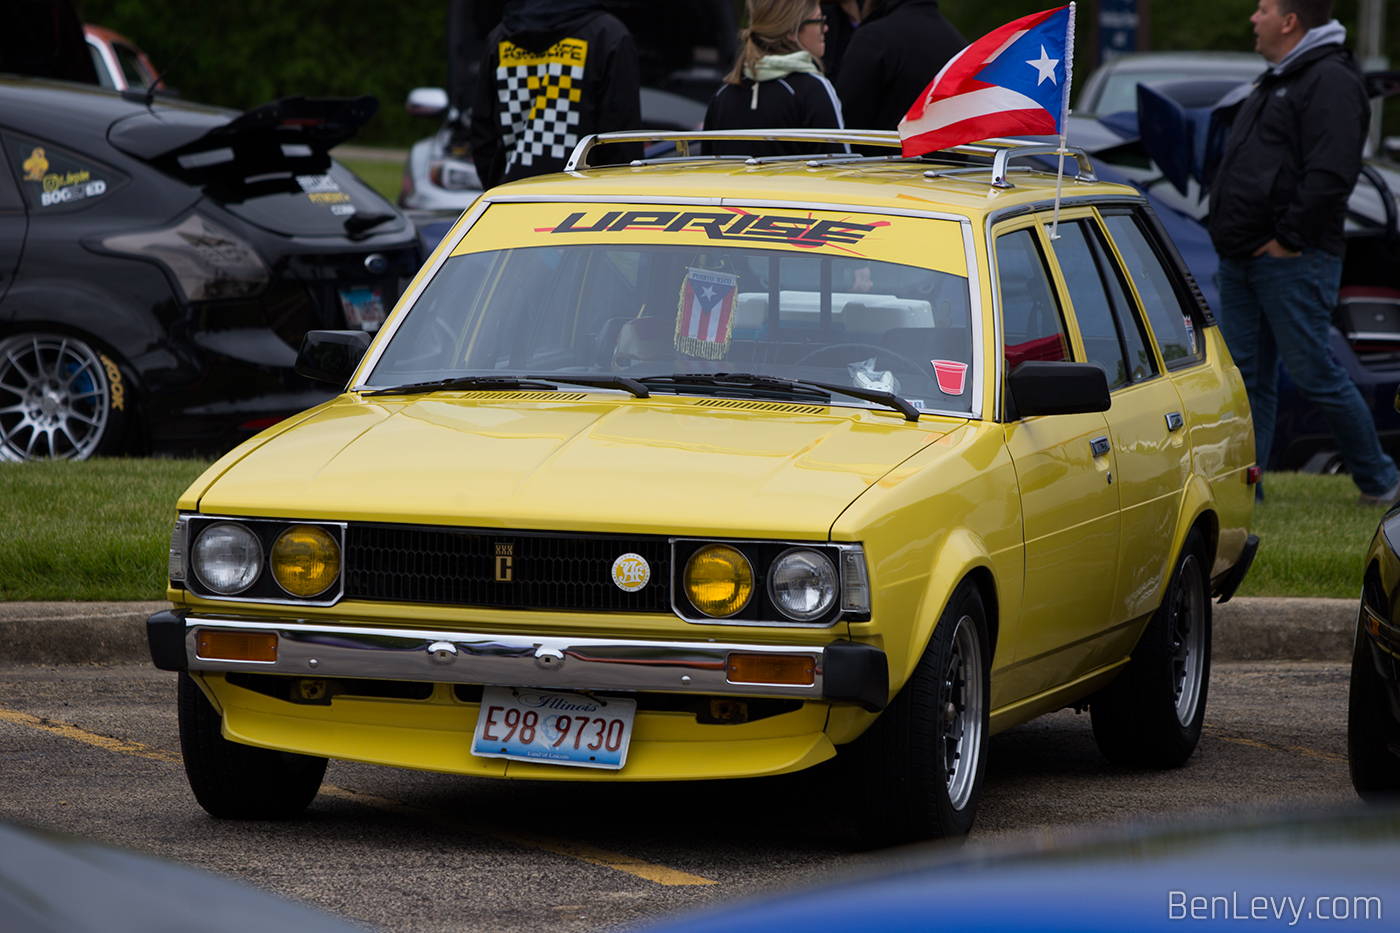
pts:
[790, 387]
[465, 382]
[605, 381]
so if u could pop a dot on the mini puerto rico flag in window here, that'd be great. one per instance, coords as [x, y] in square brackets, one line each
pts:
[706, 316]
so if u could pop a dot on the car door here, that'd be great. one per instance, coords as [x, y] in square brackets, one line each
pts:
[13, 223]
[1145, 422]
[1064, 470]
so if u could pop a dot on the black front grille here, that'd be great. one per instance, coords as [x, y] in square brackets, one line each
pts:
[397, 563]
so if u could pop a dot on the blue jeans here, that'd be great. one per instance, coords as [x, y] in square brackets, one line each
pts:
[1274, 308]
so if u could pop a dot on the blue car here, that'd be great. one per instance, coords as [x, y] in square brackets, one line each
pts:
[1300, 873]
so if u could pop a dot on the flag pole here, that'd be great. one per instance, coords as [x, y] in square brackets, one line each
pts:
[1064, 121]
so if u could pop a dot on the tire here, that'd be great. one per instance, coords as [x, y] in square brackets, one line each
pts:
[60, 399]
[1151, 714]
[1375, 770]
[920, 767]
[240, 782]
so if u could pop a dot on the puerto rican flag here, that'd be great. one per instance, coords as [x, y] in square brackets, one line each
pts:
[707, 310]
[1014, 81]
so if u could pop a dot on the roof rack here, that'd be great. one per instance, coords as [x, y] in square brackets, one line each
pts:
[1000, 151]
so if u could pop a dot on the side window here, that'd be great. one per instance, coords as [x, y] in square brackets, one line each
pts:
[1107, 316]
[132, 70]
[1169, 317]
[1032, 327]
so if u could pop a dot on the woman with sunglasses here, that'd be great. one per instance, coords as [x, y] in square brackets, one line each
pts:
[777, 81]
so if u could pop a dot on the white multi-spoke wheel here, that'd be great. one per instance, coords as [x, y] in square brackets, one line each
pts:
[1151, 714]
[59, 399]
[920, 767]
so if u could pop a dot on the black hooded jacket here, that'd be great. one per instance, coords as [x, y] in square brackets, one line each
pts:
[555, 71]
[893, 55]
[1292, 157]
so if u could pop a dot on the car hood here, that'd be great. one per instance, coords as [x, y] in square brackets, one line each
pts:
[711, 466]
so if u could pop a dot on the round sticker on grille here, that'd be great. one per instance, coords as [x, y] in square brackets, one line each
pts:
[631, 572]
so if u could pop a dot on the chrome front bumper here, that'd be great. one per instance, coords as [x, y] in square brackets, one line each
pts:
[844, 671]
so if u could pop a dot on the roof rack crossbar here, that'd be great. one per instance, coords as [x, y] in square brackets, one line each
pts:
[579, 159]
[1001, 151]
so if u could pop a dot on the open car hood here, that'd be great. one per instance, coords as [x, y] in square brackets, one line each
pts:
[600, 466]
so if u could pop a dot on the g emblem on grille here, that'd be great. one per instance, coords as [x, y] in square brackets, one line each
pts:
[375, 264]
[505, 563]
[631, 572]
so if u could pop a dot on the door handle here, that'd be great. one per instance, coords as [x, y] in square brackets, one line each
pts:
[1100, 446]
[1174, 421]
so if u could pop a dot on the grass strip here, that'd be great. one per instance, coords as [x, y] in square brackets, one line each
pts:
[98, 530]
[384, 177]
[1312, 537]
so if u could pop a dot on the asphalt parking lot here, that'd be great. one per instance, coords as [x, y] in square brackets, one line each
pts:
[90, 747]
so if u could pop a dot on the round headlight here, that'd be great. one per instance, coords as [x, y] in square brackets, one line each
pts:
[802, 584]
[718, 580]
[227, 558]
[305, 560]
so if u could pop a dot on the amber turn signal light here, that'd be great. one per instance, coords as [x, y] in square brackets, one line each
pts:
[770, 669]
[237, 646]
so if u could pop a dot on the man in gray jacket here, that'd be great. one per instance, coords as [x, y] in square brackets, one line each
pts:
[1278, 202]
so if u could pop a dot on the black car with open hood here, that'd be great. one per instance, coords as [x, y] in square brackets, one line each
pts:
[160, 262]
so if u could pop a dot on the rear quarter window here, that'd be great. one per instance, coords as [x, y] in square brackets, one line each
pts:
[54, 179]
[1168, 315]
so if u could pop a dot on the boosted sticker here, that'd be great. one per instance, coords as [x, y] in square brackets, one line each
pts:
[54, 178]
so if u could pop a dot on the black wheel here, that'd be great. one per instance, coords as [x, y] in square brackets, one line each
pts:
[60, 399]
[920, 767]
[1151, 714]
[1375, 769]
[240, 782]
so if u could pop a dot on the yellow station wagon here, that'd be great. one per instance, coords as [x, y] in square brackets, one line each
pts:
[716, 467]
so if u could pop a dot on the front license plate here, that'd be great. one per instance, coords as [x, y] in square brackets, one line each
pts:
[364, 307]
[553, 727]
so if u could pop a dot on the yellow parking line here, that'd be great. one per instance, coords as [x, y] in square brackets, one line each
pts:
[650, 871]
[1276, 746]
[69, 731]
[615, 860]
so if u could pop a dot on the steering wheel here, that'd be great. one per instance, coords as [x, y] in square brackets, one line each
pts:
[840, 353]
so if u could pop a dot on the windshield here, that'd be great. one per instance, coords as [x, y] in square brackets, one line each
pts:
[656, 310]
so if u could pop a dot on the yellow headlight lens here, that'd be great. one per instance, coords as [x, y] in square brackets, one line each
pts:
[305, 560]
[718, 580]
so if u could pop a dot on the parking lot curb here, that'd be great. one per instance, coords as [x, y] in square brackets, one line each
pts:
[1245, 629]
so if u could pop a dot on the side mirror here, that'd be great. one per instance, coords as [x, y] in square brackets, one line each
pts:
[331, 355]
[427, 102]
[1043, 388]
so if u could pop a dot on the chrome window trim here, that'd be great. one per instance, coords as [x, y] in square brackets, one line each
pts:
[842, 615]
[190, 573]
[1010, 213]
[385, 335]
[410, 298]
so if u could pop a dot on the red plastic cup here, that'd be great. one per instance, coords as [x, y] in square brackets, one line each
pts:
[951, 375]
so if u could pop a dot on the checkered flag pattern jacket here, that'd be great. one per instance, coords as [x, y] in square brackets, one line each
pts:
[545, 98]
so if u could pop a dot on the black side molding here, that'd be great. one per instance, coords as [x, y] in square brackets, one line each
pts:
[165, 633]
[856, 673]
[1235, 575]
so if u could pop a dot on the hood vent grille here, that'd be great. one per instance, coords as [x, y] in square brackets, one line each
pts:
[749, 405]
[526, 396]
